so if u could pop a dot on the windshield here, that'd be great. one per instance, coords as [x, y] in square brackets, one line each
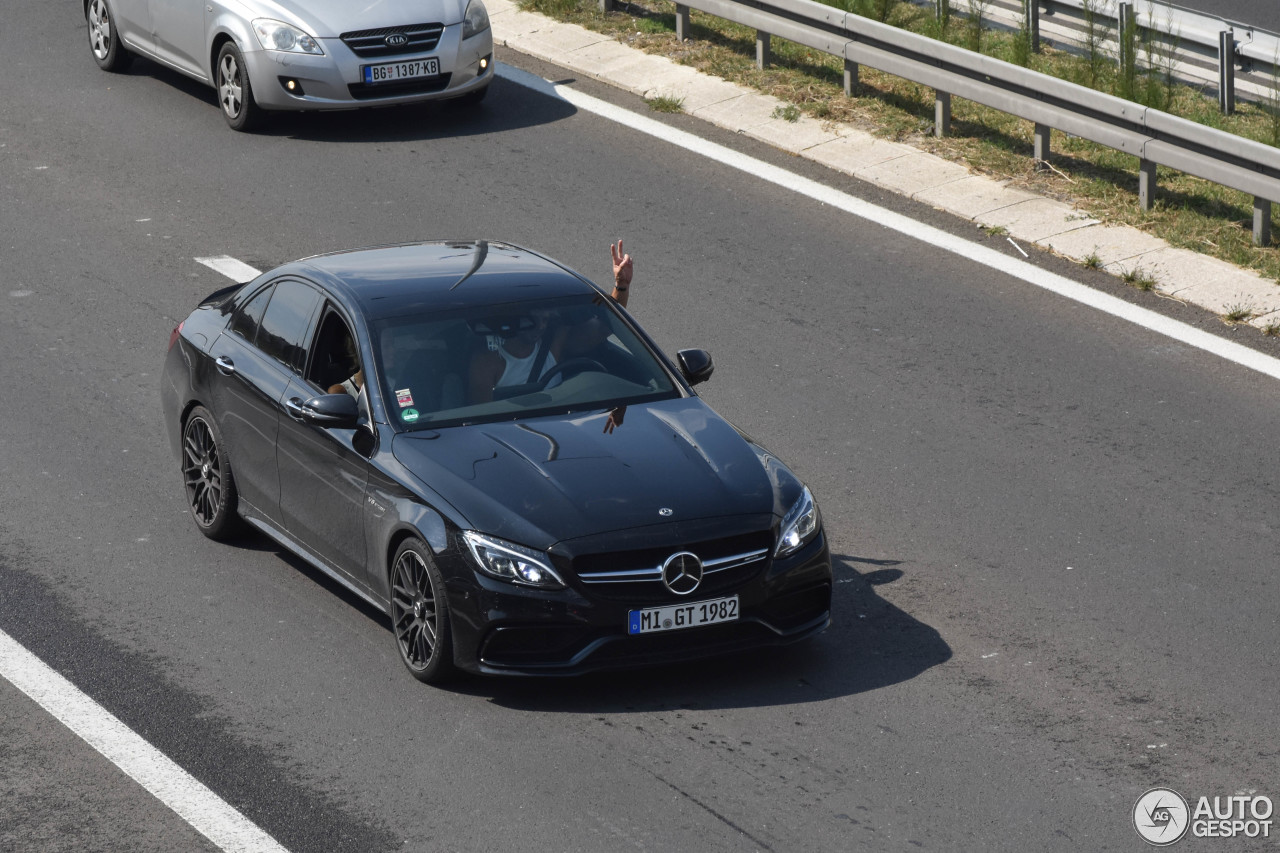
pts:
[514, 360]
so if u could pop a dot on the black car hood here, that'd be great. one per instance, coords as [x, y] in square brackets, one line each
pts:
[544, 480]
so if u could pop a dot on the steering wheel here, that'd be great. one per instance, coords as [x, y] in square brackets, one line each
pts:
[575, 364]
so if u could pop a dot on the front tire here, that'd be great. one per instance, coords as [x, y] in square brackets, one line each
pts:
[235, 94]
[206, 475]
[420, 614]
[104, 39]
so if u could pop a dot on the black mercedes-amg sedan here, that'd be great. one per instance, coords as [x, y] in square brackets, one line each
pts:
[481, 442]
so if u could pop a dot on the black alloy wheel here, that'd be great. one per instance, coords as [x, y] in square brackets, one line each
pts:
[206, 473]
[104, 41]
[420, 614]
[235, 95]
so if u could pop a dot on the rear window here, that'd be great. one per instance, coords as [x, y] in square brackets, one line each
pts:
[284, 325]
[245, 321]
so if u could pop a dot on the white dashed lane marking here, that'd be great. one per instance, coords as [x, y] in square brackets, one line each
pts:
[236, 270]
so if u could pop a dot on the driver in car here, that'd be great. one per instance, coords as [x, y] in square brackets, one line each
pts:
[529, 354]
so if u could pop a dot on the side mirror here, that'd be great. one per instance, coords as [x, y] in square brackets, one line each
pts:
[695, 364]
[332, 411]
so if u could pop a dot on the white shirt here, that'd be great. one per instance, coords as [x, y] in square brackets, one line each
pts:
[516, 370]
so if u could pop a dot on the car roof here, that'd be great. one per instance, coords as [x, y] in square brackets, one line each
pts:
[387, 281]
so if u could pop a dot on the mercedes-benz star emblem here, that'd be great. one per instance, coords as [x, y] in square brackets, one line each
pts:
[682, 573]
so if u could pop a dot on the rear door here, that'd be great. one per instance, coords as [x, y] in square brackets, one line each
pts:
[132, 23]
[255, 359]
[180, 34]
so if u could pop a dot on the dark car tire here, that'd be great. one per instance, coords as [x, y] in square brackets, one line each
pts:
[207, 477]
[235, 94]
[420, 614]
[104, 40]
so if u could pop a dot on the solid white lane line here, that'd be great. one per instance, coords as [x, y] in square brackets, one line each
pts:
[904, 225]
[237, 271]
[152, 769]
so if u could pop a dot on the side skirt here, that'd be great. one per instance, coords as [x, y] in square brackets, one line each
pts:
[295, 548]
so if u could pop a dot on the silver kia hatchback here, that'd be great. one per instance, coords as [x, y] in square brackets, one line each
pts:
[303, 54]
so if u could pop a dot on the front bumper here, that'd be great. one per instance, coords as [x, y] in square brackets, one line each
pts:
[503, 629]
[335, 81]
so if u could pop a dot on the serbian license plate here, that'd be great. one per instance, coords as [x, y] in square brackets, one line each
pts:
[394, 72]
[679, 616]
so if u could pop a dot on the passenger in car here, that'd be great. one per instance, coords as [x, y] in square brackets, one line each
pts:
[529, 354]
[355, 382]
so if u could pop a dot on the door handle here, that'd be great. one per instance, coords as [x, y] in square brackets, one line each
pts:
[225, 365]
[294, 406]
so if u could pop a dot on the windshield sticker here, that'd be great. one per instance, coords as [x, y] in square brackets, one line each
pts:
[409, 415]
[404, 398]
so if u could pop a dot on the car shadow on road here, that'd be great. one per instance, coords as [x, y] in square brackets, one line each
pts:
[507, 107]
[871, 644]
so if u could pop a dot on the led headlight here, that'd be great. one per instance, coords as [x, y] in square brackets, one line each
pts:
[799, 526]
[476, 20]
[275, 35]
[511, 562]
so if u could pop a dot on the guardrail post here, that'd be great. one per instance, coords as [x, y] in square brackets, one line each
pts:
[1126, 37]
[941, 113]
[850, 76]
[682, 22]
[762, 49]
[1146, 183]
[1261, 221]
[1227, 72]
[1031, 22]
[1041, 143]
[606, 5]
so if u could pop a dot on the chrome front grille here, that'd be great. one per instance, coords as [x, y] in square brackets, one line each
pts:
[372, 44]
[636, 576]
[654, 574]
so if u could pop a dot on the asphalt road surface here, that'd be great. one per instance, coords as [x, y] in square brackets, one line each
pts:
[1055, 532]
[1263, 14]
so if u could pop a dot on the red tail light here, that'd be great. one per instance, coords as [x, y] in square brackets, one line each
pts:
[173, 336]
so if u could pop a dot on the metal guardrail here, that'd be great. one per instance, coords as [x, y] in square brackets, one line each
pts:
[1154, 137]
[1190, 42]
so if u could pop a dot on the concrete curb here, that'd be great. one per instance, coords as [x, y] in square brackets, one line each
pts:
[1185, 275]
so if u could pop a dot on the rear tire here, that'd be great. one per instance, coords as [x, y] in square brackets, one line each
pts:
[206, 475]
[104, 39]
[420, 614]
[235, 94]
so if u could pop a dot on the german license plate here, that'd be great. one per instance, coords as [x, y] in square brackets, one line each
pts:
[394, 72]
[677, 616]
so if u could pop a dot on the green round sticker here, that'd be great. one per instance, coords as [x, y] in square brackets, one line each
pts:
[409, 415]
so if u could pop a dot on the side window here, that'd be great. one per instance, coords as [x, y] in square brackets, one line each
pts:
[285, 323]
[334, 355]
[245, 321]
